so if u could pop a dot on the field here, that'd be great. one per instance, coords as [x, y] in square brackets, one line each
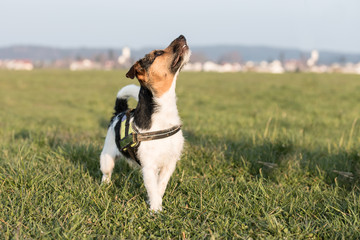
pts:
[266, 156]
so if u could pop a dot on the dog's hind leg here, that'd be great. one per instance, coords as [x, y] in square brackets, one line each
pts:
[107, 163]
[108, 155]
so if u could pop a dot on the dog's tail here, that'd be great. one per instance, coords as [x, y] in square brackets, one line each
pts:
[123, 95]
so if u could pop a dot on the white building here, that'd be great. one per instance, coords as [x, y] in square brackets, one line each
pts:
[313, 58]
[193, 67]
[125, 56]
[85, 64]
[276, 67]
[18, 65]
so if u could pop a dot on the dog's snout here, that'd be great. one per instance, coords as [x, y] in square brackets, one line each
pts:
[181, 37]
[181, 40]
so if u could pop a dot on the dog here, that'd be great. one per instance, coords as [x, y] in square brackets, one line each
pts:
[150, 135]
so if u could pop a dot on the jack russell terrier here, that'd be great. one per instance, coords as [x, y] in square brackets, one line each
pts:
[149, 135]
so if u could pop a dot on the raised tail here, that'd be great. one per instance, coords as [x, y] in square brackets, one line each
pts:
[123, 95]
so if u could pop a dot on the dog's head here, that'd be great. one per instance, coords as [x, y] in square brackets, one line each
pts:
[157, 69]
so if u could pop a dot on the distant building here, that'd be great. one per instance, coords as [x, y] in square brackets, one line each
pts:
[85, 64]
[231, 62]
[226, 67]
[276, 67]
[17, 65]
[124, 59]
[313, 58]
[292, 65]
[193, 67]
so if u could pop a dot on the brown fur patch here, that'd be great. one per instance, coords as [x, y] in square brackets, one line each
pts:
[159, 76]
[156, 70]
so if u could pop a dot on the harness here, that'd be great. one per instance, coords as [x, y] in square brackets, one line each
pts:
[128, 137]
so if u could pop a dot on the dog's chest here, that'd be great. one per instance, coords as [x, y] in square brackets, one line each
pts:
[162, 151]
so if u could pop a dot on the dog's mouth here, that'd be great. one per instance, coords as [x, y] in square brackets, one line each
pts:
[181, 53]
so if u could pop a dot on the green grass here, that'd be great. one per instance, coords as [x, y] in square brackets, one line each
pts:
[267, 156]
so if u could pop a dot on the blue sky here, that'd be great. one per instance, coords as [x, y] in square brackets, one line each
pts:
[304, 24]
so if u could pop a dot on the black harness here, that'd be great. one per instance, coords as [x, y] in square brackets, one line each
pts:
[128, 140]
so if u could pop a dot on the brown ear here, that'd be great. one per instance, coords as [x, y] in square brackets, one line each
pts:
[131, 73]
[136, 71]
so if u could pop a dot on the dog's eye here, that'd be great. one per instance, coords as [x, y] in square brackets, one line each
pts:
[158, 53]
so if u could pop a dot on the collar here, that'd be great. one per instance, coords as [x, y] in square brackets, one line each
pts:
[130, 141]
[147, 136]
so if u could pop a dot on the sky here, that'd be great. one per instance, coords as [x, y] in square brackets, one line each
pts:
[304, 24]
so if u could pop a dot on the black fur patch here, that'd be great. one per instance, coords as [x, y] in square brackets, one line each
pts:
[121, 105]
[146, 62]
[144, 109]
[177, 60]
[176, 48]
[176, 65]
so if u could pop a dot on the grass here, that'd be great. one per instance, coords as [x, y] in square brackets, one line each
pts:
[267, 156]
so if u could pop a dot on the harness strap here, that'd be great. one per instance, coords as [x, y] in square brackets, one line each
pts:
[117, 131]
[132, 153]
[131, 149]
[147, 136]
[127, 123]
[138, 137]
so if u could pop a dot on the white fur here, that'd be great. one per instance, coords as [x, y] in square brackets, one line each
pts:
[110, 150]
[129, 91]
[158, 157]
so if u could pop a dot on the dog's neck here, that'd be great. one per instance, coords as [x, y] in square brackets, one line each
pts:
[145, 108]
[167, 114]
[157, 113]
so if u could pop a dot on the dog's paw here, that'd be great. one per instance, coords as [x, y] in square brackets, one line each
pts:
[105, 179]
[156, 209]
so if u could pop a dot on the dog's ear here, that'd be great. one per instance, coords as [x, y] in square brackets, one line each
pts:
[136, 71]
[131, 73]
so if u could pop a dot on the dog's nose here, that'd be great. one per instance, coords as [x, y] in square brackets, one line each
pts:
[181, 37]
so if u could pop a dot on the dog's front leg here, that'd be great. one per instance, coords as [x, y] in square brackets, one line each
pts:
[150, 176]
[164, 176]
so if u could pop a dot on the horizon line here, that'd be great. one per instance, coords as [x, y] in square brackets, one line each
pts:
[194, 46]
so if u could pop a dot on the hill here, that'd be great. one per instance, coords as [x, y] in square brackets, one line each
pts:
[217, 53]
